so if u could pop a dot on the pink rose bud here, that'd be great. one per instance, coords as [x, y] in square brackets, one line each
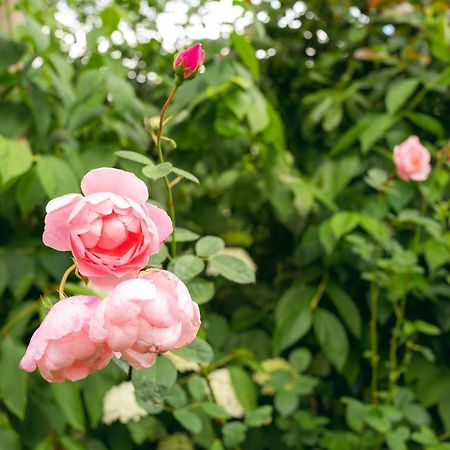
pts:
[111, 231]
[146, 316]
[61, 347]
[412, 160]
[188, 62]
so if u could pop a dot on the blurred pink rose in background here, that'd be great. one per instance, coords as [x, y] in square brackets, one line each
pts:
[412, 160]
[146, 316]
[111, 231]
[61, 347]
[189, 61]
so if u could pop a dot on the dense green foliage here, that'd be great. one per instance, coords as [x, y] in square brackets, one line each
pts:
[342, 343]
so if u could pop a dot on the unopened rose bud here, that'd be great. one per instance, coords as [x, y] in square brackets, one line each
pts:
[188, 62]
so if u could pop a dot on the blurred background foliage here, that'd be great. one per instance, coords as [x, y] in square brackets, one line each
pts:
[343, 342]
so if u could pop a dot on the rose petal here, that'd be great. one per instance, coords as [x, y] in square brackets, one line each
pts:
[116, 181]
[56, 232]
[161, 220]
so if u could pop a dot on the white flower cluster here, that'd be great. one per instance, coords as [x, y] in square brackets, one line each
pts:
[120, 404]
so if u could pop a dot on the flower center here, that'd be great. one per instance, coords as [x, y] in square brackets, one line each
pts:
[113, 234]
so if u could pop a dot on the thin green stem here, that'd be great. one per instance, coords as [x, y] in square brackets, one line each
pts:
[170, 202]
[374, 357]
[64, 279]
[394, 370]
[320, 290]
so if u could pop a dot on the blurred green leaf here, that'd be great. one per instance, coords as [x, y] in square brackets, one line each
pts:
[67, 396]
[399, 92]
[247, 54]
[233, 269]
[154, 384]
[15, 159]
[332, 337]
[209, 245]
[13, 381]
[187, 267]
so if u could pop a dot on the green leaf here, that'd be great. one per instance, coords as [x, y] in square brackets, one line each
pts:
[436, 254]
[396, 439]
[209, 245]
[377, 420]
[348, 138]
[9, 439]
[332, 337]
[244, 387]
[11, 51]
[189, 420]
[257, 115]
[346, 308]
[399, 92]
[214, 410]
[293, 317]
[184, 235]
[70, 443]
[13, 381]
[233, 434]
[67, 396]
[259, 416]
[154, 384]
[148, 429]
[377, 127]
[286, 402]
[185, 174]
[300, 359]
[177, 397]
[247, 54]
[56, 176]
[233, 269]
[187, 267]
[199, 351]
[15, 159]
[426, 122]
[155, 172]
[197, 387]
[135, 156]
[343, 222]
[201, 291]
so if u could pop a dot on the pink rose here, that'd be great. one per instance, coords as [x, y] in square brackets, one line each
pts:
[188, 61]
[146, 316]
[111, 231]
[61, 347]
[412, 160]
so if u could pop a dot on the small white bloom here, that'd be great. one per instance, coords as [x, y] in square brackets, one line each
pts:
[224, 393]
[183, 365]
[120, 404]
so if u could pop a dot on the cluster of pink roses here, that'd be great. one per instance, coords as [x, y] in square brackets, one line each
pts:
[111, 232]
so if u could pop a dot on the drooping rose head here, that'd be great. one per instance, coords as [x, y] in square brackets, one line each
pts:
[412, 160]
[188, 62]
[61, 347]
[111, 230]
[146, 316]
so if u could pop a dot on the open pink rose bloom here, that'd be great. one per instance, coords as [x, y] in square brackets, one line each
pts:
[61, 347]
[111, 230]
[146, 316]
[412, 160]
